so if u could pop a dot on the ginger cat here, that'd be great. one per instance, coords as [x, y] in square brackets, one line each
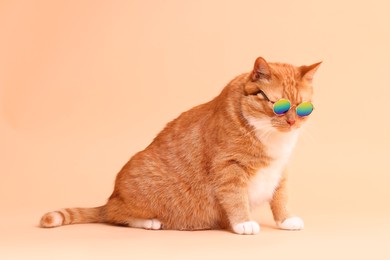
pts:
[210, 167]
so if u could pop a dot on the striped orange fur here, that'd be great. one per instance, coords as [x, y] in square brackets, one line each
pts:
[210, 167]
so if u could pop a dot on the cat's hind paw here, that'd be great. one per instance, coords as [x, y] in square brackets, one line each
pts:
[293, 223]
[153, 224]
[246, 228]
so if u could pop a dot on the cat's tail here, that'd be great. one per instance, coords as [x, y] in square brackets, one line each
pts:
[72, 216]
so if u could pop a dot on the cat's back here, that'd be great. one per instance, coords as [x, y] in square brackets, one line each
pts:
[179, 148]
[189, 144]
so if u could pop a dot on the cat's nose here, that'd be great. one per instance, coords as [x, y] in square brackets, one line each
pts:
[291, 121]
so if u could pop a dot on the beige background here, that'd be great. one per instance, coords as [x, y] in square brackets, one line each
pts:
[86, 84]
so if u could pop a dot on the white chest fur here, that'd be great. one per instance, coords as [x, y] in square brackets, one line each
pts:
[279, 147]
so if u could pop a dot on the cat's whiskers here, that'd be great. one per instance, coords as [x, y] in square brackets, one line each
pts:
[306, 133]
[259, 128]
[265, 132]
[268, 134]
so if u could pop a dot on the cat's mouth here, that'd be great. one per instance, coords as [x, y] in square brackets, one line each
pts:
[285, 128]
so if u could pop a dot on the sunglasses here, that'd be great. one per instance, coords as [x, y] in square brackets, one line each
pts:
[282, 106]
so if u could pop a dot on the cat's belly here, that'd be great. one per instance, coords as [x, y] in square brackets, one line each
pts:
[264, 183]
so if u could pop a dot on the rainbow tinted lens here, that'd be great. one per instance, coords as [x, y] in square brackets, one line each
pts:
[305, 109]
[281, 106]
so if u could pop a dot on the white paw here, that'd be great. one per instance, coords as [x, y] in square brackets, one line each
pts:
[293, 223]
[153, 224]
[246, 228]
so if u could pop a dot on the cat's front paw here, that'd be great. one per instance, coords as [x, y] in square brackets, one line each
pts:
[246, 228]
[293, 223]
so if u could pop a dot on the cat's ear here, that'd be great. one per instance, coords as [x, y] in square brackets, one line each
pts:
[307, 72]
[261, 70]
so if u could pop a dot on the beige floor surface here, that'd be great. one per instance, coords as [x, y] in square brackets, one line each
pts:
[325, 237]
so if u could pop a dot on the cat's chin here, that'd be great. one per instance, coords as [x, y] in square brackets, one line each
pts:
[287, 129]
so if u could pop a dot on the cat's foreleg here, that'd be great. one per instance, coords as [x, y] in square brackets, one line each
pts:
[233, 196]
[282, 216]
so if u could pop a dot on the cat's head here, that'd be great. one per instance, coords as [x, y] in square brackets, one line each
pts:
[278, 96]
